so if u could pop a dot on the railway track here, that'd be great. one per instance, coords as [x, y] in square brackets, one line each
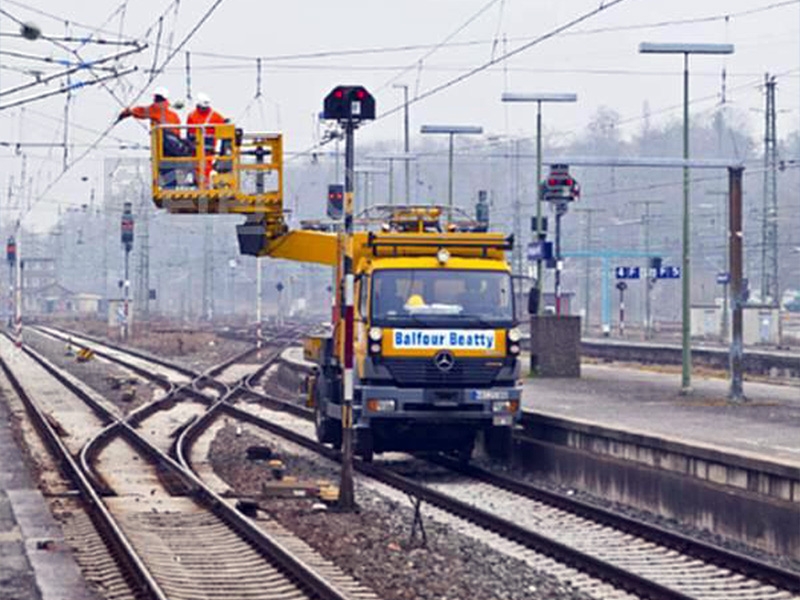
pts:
[175, 536]
[595, 549]
[634, 557]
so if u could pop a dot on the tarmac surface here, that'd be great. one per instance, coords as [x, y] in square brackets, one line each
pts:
[766, 426]
[35, 561]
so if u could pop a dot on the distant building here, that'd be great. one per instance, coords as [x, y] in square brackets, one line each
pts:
[38, 273]
[43, 295]
[47, 300]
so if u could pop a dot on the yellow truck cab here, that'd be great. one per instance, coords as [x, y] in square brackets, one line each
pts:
[436, 344]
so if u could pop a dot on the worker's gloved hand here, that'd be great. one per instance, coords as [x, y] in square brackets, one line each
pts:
[124, 114]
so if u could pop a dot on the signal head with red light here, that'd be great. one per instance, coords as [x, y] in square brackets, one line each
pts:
[349, 103]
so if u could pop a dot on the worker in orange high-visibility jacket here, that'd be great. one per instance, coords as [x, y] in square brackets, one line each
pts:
[204, 115]
[159, 113]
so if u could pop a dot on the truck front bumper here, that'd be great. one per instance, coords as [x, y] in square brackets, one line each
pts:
[498, 406]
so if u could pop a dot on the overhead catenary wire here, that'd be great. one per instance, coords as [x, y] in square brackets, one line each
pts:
[403, 48]
[81, 63]
[421, 60]
[74, 69]
[493, 61]
[153, 72]
[210, 11]
[66, 89]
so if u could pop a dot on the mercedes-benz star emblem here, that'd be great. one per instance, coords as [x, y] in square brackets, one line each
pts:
[444, 361]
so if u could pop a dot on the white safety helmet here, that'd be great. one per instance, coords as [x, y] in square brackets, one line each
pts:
[161, 91]
[203, 101]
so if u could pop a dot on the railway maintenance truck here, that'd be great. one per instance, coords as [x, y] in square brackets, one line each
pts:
[435, 340]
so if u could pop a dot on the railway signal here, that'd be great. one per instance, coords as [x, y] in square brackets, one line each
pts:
[561, 189]
[560, 186]
[11, 251]
[622, 286]
[126, 237]
[335, 201]
[349, 105]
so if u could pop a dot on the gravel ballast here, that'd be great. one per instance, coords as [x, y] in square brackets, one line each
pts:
[374, 544]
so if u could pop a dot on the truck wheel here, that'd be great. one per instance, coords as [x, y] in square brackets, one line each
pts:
[365, 446]
[498, 443]
[325, 426]
[463, 453]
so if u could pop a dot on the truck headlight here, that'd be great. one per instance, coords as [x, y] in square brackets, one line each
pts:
[381, 405]
[505, 406]
[501, 406]
[514, 335]
[375, 348]
[375, 334]
[513, 349]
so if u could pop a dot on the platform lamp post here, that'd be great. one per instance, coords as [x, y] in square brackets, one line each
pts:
[451, 131]
[538, 98]
[686, 50]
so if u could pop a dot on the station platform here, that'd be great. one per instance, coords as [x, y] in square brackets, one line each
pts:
[639, 401]
[35, 561]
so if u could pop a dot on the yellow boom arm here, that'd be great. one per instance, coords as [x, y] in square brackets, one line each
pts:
[304, 246]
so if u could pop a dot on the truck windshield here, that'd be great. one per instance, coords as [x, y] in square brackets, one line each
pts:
[442, 297]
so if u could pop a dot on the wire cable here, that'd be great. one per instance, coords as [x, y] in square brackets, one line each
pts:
[491, 62]
[210, 11]
[420, 61]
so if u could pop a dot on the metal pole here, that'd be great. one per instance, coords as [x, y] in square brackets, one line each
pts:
[391, 182]
[406, 145]
[336, 168]
[648, 281]
[18, 289]
[648, 288]
[260, 152]
[367, 195]
[450, 183]
[259, 297]
[586, 273]
[517, 207]
[605, 299]
[735, 235]
[686, 374]
[587, 265]
[12, 268]
[539, 272]
[125, 292]
[346, 488]
[560, 210]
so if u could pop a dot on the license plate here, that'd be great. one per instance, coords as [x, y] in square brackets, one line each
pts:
[502, 420]
[483, 395]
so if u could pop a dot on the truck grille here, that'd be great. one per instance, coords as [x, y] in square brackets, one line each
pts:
[421, 372]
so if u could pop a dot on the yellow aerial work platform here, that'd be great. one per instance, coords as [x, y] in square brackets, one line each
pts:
[218, 170]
